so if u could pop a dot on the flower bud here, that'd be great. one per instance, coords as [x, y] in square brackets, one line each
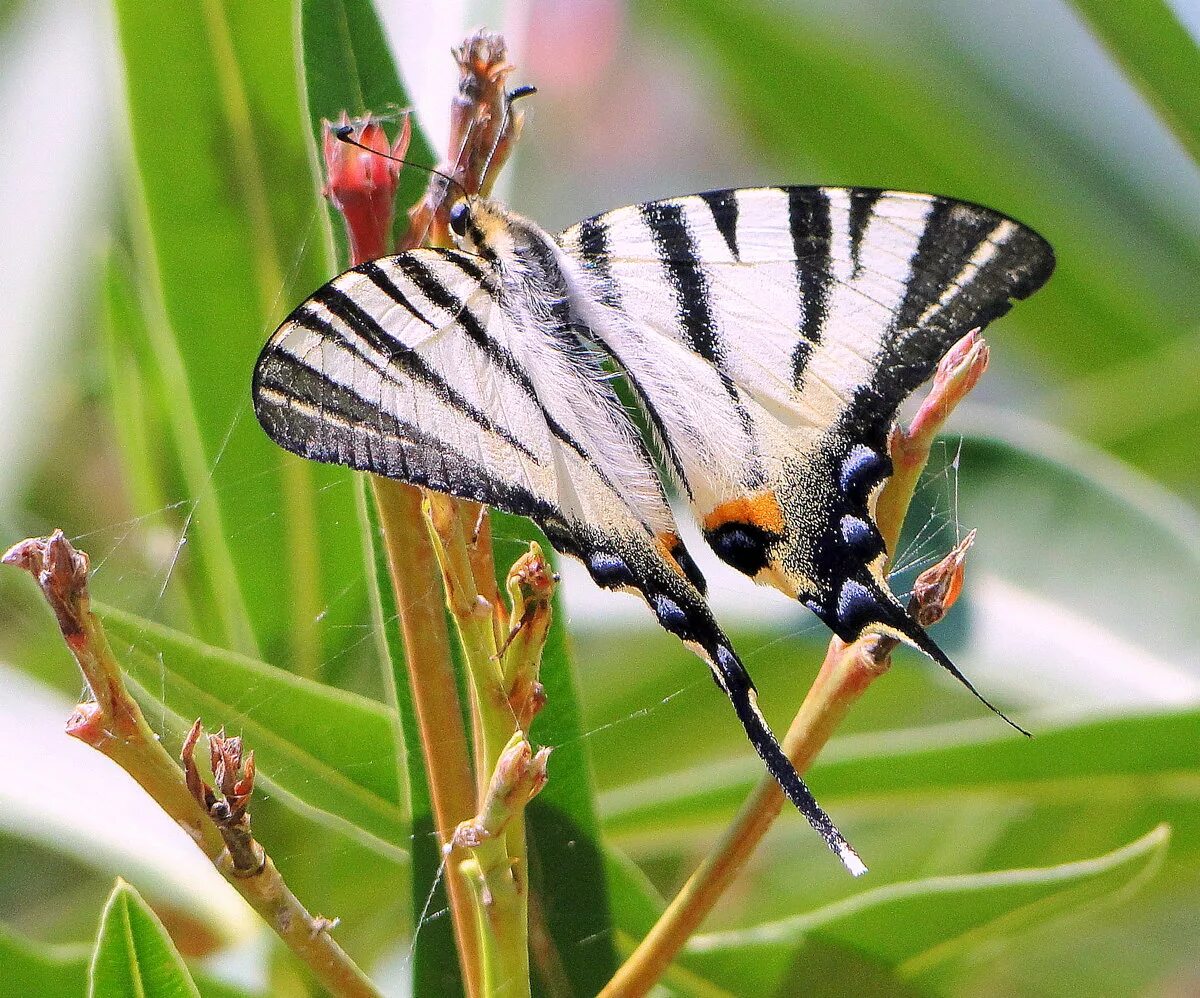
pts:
[938, 587]
[361, 181]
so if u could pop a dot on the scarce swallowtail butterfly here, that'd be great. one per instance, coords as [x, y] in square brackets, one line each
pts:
[769, 335]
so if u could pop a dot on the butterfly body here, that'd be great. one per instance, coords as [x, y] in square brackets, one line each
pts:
[768, 335]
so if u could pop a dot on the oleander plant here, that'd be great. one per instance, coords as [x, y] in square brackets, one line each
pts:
[276, 727]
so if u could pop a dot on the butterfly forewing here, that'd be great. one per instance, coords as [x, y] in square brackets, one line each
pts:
[410, 367]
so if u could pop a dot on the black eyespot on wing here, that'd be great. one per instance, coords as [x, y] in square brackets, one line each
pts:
[744, 546]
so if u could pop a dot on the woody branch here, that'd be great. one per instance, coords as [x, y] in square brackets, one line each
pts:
[112, 722]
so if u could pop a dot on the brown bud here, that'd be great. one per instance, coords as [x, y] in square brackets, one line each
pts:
[938, 587]
[62, 573]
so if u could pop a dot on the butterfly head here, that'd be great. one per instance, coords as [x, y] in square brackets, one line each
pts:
[482, 227]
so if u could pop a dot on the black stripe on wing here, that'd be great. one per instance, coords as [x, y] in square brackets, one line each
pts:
[593, 248]
[862, 205]
[435, 290]
[811, 231]
[313, 416]
[724, 208]
[678, 252]
[396, 353]
[925, 327]
[680, 256]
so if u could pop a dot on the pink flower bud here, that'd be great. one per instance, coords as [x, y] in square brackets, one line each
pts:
[937, 588]
[361, 182]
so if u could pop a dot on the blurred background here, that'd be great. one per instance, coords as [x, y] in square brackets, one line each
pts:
[1076, 459]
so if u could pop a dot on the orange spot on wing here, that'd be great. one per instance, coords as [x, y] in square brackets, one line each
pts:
[760, 510]
[667, 544]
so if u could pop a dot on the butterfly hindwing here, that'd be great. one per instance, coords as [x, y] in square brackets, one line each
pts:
[772, 334]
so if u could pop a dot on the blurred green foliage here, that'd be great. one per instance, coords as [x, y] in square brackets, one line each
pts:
[998, 865]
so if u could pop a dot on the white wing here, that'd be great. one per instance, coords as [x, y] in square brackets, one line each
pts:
[772, 335]
[427, 368]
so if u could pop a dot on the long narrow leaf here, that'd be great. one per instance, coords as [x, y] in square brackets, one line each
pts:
[327, 751]
[915, 928]
[1157, 53]
[223, 228]
[969, 759]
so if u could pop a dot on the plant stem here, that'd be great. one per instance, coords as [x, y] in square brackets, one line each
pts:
[416, 583]
[844, 676]
[499, 888]
[473, 615]
[114, 725]
[497, 864]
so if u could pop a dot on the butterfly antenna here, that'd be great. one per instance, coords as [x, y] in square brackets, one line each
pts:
[345, 133]
[512, 96]
[733, 678]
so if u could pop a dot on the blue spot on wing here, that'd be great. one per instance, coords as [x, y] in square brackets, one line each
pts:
[672, 616]
[609, 571]
[856, 532]
[861, 471]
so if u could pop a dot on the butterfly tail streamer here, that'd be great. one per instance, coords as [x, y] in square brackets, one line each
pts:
[916, 636]
[894, 617]
[733, 679]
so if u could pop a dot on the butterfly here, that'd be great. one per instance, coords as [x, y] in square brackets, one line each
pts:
[768, 335]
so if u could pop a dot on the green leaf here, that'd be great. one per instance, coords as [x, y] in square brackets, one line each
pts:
[965, 759]
[32, 968]
[1157, 54]
[917, 928]
[1091, 532]
[144, 421]
[61, 971]
[325, 751]
[224, 208]
[636, 904]
[348, 67]
[134, 956]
